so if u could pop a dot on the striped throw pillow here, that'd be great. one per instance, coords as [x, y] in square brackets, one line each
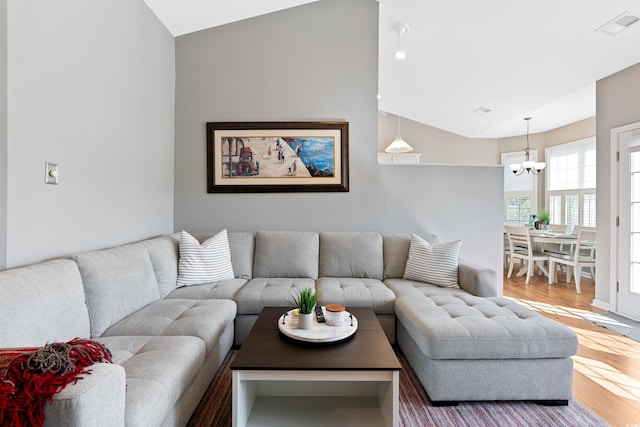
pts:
[436, 264]
[204, 263]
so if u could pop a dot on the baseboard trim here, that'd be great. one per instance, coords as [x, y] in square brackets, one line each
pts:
[601, 305]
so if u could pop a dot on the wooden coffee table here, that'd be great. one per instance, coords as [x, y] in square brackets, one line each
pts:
[283, 382]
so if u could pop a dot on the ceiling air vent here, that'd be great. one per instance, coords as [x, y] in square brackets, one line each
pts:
[619, 23]
[481, 110]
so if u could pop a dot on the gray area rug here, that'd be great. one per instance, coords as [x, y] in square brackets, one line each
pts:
[615, 322]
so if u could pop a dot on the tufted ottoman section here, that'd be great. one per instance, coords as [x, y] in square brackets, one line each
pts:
[464, 347]
[467, 327]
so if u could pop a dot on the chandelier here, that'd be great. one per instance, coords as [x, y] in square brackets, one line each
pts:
[530, 166]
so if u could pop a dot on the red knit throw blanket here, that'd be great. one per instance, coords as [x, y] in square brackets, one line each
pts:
[29, 377]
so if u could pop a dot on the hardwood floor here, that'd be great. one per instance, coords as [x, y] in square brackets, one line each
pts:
[607, 367]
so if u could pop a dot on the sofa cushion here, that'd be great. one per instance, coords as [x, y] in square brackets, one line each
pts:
[42, 303]
[269, 292]
[356, 292]
[205, 319]
[286, 254]
[87, 400]
[433, 263]
[209, 261]
[223, 289]
[158, 370]
[351, 255]
[163, 251]
[117, 282]
[242, 247]
[395, 248]
[449, 323]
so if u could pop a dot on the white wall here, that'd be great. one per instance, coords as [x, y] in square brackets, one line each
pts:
[317, 62]
[617, 104]
[3, 134]
[90, 87]
[436, 145]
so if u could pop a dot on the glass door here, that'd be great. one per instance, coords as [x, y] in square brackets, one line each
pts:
[629, 228]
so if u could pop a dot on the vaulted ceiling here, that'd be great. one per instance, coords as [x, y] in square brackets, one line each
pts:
[516, 58]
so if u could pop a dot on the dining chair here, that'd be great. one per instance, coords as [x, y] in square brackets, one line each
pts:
[583, 256]
[561, 248]
[557, 228]
[507, 251]
[521, 247]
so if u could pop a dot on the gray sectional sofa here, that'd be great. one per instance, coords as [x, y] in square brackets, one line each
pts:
[464, 343]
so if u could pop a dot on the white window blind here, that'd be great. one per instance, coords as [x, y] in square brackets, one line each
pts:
[513, 183]
[555, 209]
[519, 191]
[589, 210]
[571, 183]
[572, 209]
[572, 166]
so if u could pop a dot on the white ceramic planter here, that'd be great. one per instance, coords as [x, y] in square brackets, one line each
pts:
[305, 321]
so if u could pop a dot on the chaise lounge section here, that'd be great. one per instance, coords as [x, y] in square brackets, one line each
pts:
[463, 347]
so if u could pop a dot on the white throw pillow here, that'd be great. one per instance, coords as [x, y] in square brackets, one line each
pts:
[433, 263]
[204, 263]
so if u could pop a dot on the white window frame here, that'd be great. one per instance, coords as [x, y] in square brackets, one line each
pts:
[580, 192]
[534, 178]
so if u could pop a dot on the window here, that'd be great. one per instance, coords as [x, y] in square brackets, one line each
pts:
[589, 210]
[519, 191]
[555, 209]
[572, 209]
[518, 209]
[571, 183]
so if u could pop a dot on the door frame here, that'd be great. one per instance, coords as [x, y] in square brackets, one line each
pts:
[614, 266]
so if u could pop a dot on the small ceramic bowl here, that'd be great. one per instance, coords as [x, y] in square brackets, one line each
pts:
[334, 314]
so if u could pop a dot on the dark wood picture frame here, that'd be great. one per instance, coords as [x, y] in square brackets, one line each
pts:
[270, 157]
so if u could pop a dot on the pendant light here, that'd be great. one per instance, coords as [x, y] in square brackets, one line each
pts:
[399, 145]
[531, 166]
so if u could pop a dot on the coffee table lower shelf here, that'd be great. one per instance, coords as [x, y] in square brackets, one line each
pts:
[315, 398]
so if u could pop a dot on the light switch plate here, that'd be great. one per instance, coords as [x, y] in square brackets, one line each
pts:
[51, 173]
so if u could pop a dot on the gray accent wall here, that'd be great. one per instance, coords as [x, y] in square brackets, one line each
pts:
[3, 134]
[91, 88]
[317, 62]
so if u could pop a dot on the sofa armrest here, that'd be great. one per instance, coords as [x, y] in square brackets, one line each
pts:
[477, 279]
[95, 400]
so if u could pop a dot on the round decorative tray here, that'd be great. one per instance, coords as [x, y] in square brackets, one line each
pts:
[320, 332]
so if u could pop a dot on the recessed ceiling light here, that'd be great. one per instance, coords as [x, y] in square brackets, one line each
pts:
[481, 110]
[619, 23]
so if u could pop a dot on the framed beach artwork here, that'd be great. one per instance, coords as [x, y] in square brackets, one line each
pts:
[268, 157]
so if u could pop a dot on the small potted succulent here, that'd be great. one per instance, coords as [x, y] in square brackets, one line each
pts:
[304, 302]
